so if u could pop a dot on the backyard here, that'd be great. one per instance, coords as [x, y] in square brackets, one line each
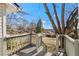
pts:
[43, 29]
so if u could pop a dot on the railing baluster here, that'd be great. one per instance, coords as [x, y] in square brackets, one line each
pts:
[21, 42]
[11, 46]
[15, 43]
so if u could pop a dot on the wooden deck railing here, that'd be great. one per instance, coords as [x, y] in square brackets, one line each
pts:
[16, 43]
[40, 43]
[71, 46]
[13, 44]
[44, 47]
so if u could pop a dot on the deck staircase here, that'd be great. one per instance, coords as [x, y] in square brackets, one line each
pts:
[27, 51]
[31, 51]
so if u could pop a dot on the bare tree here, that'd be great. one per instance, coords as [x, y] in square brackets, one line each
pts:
[58, 22]
[15, 20]
[50, 18]
[70, 21]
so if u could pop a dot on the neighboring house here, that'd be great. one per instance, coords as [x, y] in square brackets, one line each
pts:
[49, 32]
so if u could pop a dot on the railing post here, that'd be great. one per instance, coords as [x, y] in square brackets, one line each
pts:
[37, 42]
[57, 43]
[30, 38]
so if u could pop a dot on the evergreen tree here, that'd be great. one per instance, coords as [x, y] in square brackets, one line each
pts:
[39, 26]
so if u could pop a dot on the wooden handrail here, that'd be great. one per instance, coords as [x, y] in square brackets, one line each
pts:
[69, 38]
[20, 35]
[17, 42]
[44, 48]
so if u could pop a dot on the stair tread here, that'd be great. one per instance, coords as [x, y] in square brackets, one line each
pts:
[61, 54]
[48, 54]
[38, 52]
[27, 51]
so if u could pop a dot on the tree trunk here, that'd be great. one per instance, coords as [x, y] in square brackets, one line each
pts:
[57, 19]
[50, 18]
[62, 16]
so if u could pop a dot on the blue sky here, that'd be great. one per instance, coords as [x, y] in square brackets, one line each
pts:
[37, 11]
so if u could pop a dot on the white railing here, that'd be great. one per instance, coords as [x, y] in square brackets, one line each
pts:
[16, 43]
[71, 46]
[13, 44]
[40, 43]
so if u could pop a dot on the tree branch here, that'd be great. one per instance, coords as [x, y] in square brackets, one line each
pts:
[62, 16]
[50, 18]
[57, 19]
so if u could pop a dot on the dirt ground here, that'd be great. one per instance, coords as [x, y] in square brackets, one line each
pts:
[51, 43]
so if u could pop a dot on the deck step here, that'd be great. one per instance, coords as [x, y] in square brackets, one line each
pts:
[39, 52]
[48, 54]
[28, 51]
[61, 54]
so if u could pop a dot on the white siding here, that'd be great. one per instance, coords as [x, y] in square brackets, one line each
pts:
[0, 34]
[0, 27]
[4, 26]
